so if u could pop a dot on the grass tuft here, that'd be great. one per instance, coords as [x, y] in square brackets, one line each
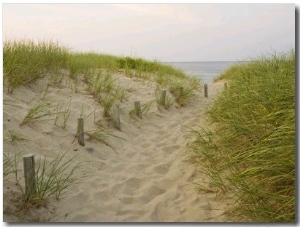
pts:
[165, 103]
[145, 108]
[52, 179]
[14, 136]
[183, 90]
[35, 113]
[62, 116]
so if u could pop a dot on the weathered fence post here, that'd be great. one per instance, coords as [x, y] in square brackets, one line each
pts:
[163, 97]
[80, 131]
[29, 175]
[116, 119]
[205, 90]
[138, 111]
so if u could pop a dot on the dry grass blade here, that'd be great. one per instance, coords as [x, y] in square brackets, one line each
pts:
[35, 113]
[102, 135]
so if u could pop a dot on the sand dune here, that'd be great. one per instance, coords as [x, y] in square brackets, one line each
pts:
[146, 177]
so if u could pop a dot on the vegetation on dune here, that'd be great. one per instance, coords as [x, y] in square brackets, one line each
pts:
[249, 149]
[52, 179]
[35, 113]
[26, 61]
[148, 66]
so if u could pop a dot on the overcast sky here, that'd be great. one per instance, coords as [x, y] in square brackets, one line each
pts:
[164, 32]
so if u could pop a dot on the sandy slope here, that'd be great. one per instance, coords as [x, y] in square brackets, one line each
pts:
[146, 177]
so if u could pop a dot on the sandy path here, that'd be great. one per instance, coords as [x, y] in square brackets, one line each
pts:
[147, 177]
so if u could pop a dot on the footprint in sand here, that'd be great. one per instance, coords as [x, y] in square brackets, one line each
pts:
[115, 189]
[161, 134]
[138, 169]
[161, 169]
[162, 144]
[132, 185]
[156, 139]
[171, 148]
[146, 145]
[101, 195]
[172, 126]
[102, 166]
[151, 193]
[127, 200]
[165, 211]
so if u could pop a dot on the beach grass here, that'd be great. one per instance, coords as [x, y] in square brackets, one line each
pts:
[14, 136]
[164, 102]
[52, 178]
[62, 115]
[26, 61]
[183, 90]
[249, 147]
[10, 166]
[36, 113]
[144, 110]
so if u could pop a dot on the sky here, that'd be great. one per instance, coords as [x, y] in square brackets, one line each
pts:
[163, 32]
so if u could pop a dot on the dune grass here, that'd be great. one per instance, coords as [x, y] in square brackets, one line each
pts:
[144, 110]
[10, 166]
[164, 102]
[249, 149]
[13, 136]
[52, 178]
[62, 115]
[183, 90]
[26, 61]
[141, 65]
[36, 113]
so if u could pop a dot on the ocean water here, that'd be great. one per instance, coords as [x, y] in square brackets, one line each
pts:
[206, 70]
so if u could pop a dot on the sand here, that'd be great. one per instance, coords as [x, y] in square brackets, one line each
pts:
[147, 176]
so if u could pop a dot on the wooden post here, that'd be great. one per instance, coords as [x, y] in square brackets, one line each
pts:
[116, 120]
[163, 97]
[138, 111]
[80, 131]
[29, 175]
[205, 90]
